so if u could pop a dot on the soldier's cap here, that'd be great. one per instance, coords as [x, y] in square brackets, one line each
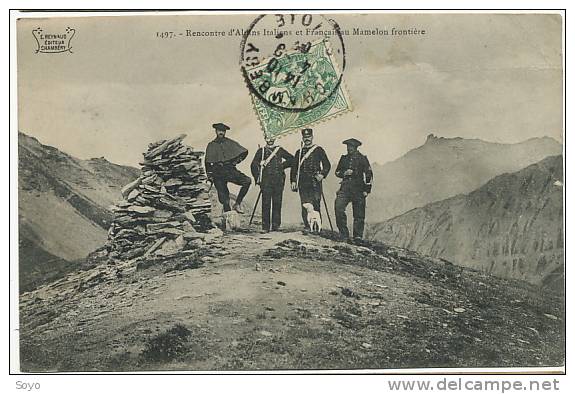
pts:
[220, 126]
[352, 142]
[307, 133]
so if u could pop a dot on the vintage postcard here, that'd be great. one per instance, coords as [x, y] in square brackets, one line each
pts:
[290, 191]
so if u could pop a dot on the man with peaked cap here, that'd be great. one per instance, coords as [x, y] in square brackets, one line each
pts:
[268, 166]
[356, 175]
[309, 168]
[222, 156]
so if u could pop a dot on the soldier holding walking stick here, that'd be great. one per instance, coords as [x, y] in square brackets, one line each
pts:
[268, 166]
[309, 168]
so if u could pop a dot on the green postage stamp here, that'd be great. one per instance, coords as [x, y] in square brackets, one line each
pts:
[303, 88]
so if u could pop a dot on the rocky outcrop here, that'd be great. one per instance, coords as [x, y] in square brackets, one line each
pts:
[167, 208]
[511, 227]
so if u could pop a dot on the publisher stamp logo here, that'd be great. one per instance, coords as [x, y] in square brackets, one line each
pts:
[54, 42]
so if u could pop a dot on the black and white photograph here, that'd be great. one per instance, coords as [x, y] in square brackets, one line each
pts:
[290, 191]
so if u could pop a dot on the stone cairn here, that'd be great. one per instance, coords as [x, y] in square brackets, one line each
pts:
[166, 210]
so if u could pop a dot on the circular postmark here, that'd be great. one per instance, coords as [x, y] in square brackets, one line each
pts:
[291, 62]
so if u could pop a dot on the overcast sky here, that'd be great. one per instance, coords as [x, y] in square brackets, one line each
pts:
[494, 77]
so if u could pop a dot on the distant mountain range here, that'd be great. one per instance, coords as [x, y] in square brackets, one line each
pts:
[62, 207]
[445, 167]
[512, 226]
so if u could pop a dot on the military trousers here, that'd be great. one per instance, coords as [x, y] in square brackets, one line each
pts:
[309, 192]
[357, 199]
[272, 195]
[230, 174]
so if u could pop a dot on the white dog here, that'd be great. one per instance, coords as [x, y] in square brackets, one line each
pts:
[232, 220]
[313, 218]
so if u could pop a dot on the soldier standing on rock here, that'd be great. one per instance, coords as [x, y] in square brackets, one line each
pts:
[268, 168]
[356, 174]
[222, 156]
[309, 168]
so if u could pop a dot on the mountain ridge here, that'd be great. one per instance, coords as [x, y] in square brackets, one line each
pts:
[62, 207]
[445, 167]
[511, 226]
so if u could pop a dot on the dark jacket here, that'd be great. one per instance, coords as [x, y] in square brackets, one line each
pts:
[362, 175]
[273, 172]
[316, 163]
[221, 154]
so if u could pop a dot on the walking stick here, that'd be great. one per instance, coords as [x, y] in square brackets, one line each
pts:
[260, 182]
[326, 210]
[255, 207]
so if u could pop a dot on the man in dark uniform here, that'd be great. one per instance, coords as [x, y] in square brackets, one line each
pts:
[309, 168]
[356, 174]
[268, 168]
[222, 156]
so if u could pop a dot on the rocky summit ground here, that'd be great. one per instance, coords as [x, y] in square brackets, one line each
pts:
[282, 301]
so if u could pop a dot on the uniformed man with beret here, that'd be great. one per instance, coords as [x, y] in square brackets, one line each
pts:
[356, 175]
[309, 168]
[222, 156]
[268, 169]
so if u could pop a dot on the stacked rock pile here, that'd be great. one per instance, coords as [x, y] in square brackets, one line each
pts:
[166, 210]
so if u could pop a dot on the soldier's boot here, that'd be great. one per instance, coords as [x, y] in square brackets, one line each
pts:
[238, 208]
